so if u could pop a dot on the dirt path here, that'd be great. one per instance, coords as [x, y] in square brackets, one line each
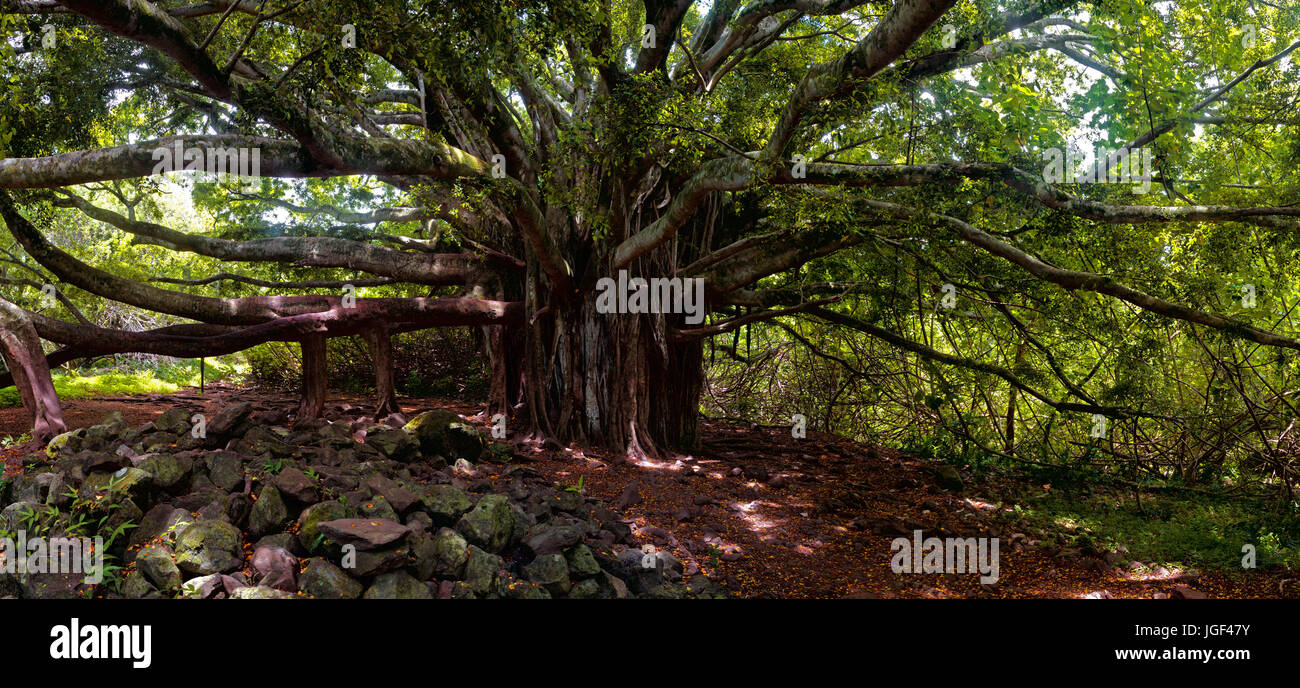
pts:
[771, 516]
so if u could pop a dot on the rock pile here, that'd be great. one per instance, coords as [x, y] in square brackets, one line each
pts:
[241, 506]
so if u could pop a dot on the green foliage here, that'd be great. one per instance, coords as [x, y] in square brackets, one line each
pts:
[1172, 528]
[166, 378]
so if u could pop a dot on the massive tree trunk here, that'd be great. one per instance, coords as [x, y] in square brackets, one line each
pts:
[615, 380]
[21, 349]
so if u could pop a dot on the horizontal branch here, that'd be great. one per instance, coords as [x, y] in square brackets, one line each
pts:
[277, 158]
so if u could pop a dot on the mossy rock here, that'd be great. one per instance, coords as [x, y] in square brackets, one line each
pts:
[208, 546]
[443, 433]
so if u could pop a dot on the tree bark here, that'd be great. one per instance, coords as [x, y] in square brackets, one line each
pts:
[381, 355]
[313, 377]
[21, 350]
[617, 380]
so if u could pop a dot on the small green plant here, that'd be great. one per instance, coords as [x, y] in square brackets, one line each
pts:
[273, 466]
[11, 441]
[576, 487]
[714, 552]
[112, 574]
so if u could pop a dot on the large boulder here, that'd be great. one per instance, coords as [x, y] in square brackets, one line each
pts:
[209, 546]
[443, 433]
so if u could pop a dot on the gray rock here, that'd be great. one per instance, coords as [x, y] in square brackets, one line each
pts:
[582, 563]
[948, 478]
[295, 484]
[362, 532]
[261, 593]
[550, 571]
[226, 423]
[167, 472]
[378, 507]
[226, 470]
[323, 579]
[397, 585]
[136, 587]
[446, 503]
[269, 514]
[490, 524]
[206, 547]
[212, 587]
[549, 539]
[276, 568]
[630, 497]
[444, 433]
[399, 498]
[585, 590]
[450, 552]
[175, 420]
[108, 488]
[160, 522]
[311, 518]
[480, 570]
[155, 562]
[394, 444]
[363, 563]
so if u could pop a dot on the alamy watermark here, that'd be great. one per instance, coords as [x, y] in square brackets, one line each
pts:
[214, 162]
[23, 556]
[1106, 166]
[946, 555]
[638, 295]
[94, 641]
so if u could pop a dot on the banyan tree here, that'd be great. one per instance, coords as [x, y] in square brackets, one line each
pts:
[505, 164]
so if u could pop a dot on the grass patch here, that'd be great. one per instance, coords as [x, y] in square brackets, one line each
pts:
[1174, 528]
[167, 378]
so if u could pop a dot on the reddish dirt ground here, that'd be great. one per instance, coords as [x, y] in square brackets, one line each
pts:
[771, 516]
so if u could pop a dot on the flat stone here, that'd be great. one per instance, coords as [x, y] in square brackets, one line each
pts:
[362, 532]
